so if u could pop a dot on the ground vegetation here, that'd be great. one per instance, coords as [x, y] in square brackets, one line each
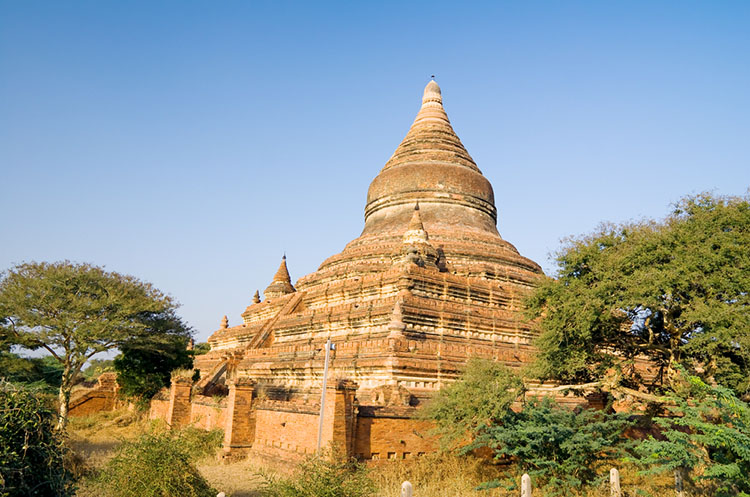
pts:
[31, 451]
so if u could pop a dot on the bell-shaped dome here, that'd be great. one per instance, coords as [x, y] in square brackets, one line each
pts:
[432, 167]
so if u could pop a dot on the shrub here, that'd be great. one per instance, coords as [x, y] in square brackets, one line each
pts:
[482, 395]
[706, 438]
[200, 444]
[31, 452]
[325, 475]
[562, 449]
[154, 465]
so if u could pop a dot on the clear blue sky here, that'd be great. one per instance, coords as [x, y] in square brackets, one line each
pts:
[193, 143]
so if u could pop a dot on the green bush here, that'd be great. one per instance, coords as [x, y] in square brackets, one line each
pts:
[154, 465]
[31, 452]
[482, 395]
[706, 437]
[563, 450]
[325, 475]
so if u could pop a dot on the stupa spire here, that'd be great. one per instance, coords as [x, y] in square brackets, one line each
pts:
[281, 284]
[431, 135]
[256, 297]
[431, 165]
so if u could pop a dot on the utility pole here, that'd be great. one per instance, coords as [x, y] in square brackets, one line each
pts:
[329, 347]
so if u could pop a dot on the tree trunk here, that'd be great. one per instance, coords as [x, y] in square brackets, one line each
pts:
[63, 398]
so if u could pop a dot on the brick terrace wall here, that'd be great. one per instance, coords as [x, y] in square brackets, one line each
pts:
[103, 397]
[384, 437]
[178, 413]
[158, 409]
[286, 429]
[93, 401]
[208, 416]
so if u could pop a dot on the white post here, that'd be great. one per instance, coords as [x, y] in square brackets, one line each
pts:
[614, 483]
[525, 485]
[406, 489]
[221, 494]
[323, 393]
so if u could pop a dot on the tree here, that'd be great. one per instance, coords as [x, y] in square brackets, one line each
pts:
[142, 369]
[75, 311]
[674, 292]
[31, 451]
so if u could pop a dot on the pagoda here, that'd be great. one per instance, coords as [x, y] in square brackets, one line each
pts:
[428, 284]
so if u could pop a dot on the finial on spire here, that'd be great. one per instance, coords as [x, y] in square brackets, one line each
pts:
[432, 94]
[224, 322]
[416, 206]
[256, 297]
[433, 76]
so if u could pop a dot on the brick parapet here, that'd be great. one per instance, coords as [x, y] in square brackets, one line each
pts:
[239, 430]
[178, 412]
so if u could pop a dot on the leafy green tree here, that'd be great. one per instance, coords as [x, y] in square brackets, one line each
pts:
[706, 438]
[481, 396]
[673, 291]
[75, 311]
[142, 369]
[562, 449]
[31, 451]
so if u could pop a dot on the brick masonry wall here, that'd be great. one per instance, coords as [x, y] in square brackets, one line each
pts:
[392, 438]
[289, 431]
[158, 409]
[92, 402]
[102, 397]
[207, 416]
[178, 413]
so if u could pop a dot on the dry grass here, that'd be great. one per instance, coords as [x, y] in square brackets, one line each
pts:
[241, 478]
[448, 475]
[436, 475]
[94, 438]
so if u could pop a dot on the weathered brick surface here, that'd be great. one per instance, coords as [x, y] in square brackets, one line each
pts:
[208, 415]
[178, 411]
[103, 397]
[239, 430]
[158, 409]
[392, 438]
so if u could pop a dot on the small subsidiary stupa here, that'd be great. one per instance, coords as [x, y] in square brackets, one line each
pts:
[428, 284]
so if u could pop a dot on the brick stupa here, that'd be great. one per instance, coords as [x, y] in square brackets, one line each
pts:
[428, 284]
